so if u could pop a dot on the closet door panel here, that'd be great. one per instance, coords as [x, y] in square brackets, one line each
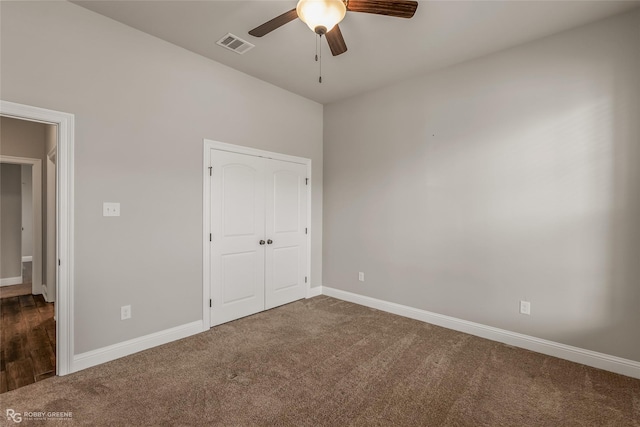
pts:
[237, 224]
[285, 224]
[286, 267]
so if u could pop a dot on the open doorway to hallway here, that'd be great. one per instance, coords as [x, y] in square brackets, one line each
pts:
[28, 258]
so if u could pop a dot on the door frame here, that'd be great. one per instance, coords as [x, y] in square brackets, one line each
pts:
[208, 145]
[36, 216]
[51, 252]
[65, 227]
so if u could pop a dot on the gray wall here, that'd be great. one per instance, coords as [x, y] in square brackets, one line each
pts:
[50, 138]
[511, 177]
[49, 257]
[10, 221]
[142, 108]
[27, 210]
[22, 138]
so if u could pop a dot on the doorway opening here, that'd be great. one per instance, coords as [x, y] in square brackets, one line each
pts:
[27, 278]
[51, 269]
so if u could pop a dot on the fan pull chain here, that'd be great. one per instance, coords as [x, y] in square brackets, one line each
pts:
[316, 40]
[320, 62]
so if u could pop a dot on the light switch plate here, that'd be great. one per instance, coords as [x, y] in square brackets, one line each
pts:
[110, 209]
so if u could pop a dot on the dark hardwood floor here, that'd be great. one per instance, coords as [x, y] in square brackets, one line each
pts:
[22, 289]
[15, 290]
[28, 341]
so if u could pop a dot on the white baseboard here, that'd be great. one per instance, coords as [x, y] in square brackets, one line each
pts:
[27, 258]
[45, 293]
[586, 357]
[116, 351]
[9, 281]
[314, 292]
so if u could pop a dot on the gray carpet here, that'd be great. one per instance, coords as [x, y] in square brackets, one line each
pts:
[327, 362]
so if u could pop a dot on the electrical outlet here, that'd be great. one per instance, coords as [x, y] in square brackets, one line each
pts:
[361, 276]
[525, 307]
[125, 312]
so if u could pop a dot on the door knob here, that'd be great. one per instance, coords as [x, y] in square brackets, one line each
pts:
[262, 242]
[269, 242]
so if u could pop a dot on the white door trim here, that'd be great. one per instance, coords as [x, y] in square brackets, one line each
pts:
[208, 145]
[65, 229]
[36, 218]
[49, 286]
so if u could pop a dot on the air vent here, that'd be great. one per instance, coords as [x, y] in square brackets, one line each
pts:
[235, 44]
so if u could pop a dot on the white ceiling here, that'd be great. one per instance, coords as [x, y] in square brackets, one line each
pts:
[381, 49]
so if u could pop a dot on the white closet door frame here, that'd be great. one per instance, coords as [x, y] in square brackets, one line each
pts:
[208, 145]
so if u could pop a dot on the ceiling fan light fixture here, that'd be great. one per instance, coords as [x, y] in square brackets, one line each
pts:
[321, 15]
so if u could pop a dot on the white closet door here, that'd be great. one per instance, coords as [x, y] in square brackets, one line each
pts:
[237, 224]
[286, 217]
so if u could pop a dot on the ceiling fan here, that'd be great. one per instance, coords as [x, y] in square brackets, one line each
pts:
[323, 16]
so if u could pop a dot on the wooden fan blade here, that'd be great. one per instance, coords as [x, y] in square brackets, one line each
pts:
[275, 23]
[336, 41]
[397, 8]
